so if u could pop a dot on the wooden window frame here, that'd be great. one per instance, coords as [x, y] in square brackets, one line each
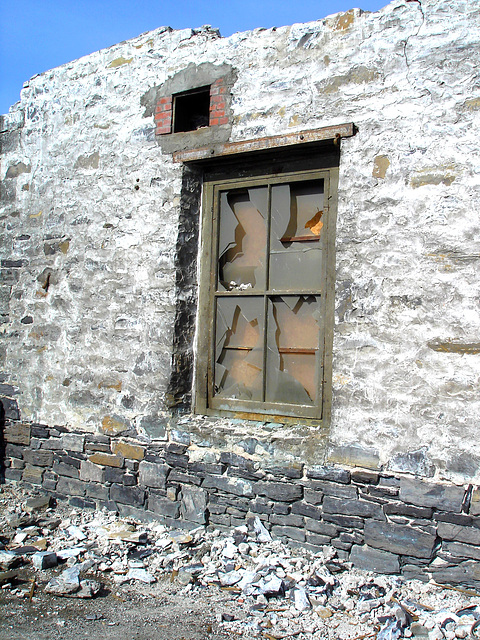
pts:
[205, 402]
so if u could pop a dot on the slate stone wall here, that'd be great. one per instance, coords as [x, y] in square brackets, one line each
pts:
[379, 521]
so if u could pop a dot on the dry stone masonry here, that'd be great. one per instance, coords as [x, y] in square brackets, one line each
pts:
[103, 162]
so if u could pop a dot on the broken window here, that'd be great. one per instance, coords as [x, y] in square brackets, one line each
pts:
[191, 109]
[266, 310]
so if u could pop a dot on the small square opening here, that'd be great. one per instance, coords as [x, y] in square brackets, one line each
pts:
[191, 109]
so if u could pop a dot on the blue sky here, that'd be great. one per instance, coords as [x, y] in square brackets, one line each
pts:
[37, 35]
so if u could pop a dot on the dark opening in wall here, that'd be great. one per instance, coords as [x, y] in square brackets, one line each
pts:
[191, 109]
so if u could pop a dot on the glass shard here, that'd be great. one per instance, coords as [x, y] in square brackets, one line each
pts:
[296, 236]
[243, 238]
[239, 348]
[292, 356]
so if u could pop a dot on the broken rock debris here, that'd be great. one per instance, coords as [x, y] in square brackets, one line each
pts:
[274, 591]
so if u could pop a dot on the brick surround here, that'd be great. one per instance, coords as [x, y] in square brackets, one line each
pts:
[218, 109]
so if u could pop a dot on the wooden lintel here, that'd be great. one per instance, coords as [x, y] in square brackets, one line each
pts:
[334, 132]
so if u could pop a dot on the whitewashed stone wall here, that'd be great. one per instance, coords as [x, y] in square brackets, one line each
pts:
[90, 211]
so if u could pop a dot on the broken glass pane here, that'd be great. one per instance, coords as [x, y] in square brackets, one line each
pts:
[243, 238]
[239, 348]
[292, 349]
[296, 236]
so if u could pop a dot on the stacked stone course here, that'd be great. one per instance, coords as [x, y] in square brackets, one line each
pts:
[377, 520]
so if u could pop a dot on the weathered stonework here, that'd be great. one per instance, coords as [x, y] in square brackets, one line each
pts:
[370, 518]
[100, 247]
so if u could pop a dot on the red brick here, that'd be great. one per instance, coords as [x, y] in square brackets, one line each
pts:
[166, 100]
[218, 114]
[213, 121]
[214, 91]
[223, 121]
[216, 99]
[217, 82]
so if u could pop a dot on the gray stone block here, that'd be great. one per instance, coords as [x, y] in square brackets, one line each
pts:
[294, 470]
[13, 474]
[163, 506]
[52, 444]
[288, 520]
[293, 533]
[334, 474]
[279, 491]
[219, 520]
[96, 491]
[346, 507]
[127, 495]
[183, 478]
[176, 460]
[280, 508]
[354, 456]
[399, 539]
[324, 528]
[65, 470]
[369, 559]
[14, 451]
[360, 476]
[129, 479]
[307, 510]
[312, 497]
[91, 472]
[72, 459]
[426, 494]
[205, 468]
[152, 474]
[194, 504]
[333, 489]
[347, 522]
[261, 505]
[70, 486]
[237, 486]
[115, 475]
[457, 533]
[39, 457]
[415, 462]
[317, 539]
[82, 503]
[461, 550]
[73, 442]
[128, 511]
[466, 573]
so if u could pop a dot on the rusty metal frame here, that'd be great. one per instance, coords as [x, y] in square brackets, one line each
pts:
[335, 133]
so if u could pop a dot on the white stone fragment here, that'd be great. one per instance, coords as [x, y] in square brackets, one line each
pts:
[142, 575]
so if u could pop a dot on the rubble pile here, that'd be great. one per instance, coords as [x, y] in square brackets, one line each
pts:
[278, 591]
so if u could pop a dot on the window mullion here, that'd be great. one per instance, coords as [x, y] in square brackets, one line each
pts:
[265, 296]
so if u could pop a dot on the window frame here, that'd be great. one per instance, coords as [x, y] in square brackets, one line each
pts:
[205, 402]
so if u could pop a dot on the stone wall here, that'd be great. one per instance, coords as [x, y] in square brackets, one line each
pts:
[379, 521]
[99, 251]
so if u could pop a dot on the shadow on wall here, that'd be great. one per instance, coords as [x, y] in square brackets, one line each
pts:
[179, 395]
[2, 444]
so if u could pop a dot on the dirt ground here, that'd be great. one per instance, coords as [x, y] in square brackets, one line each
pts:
[151, 612]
